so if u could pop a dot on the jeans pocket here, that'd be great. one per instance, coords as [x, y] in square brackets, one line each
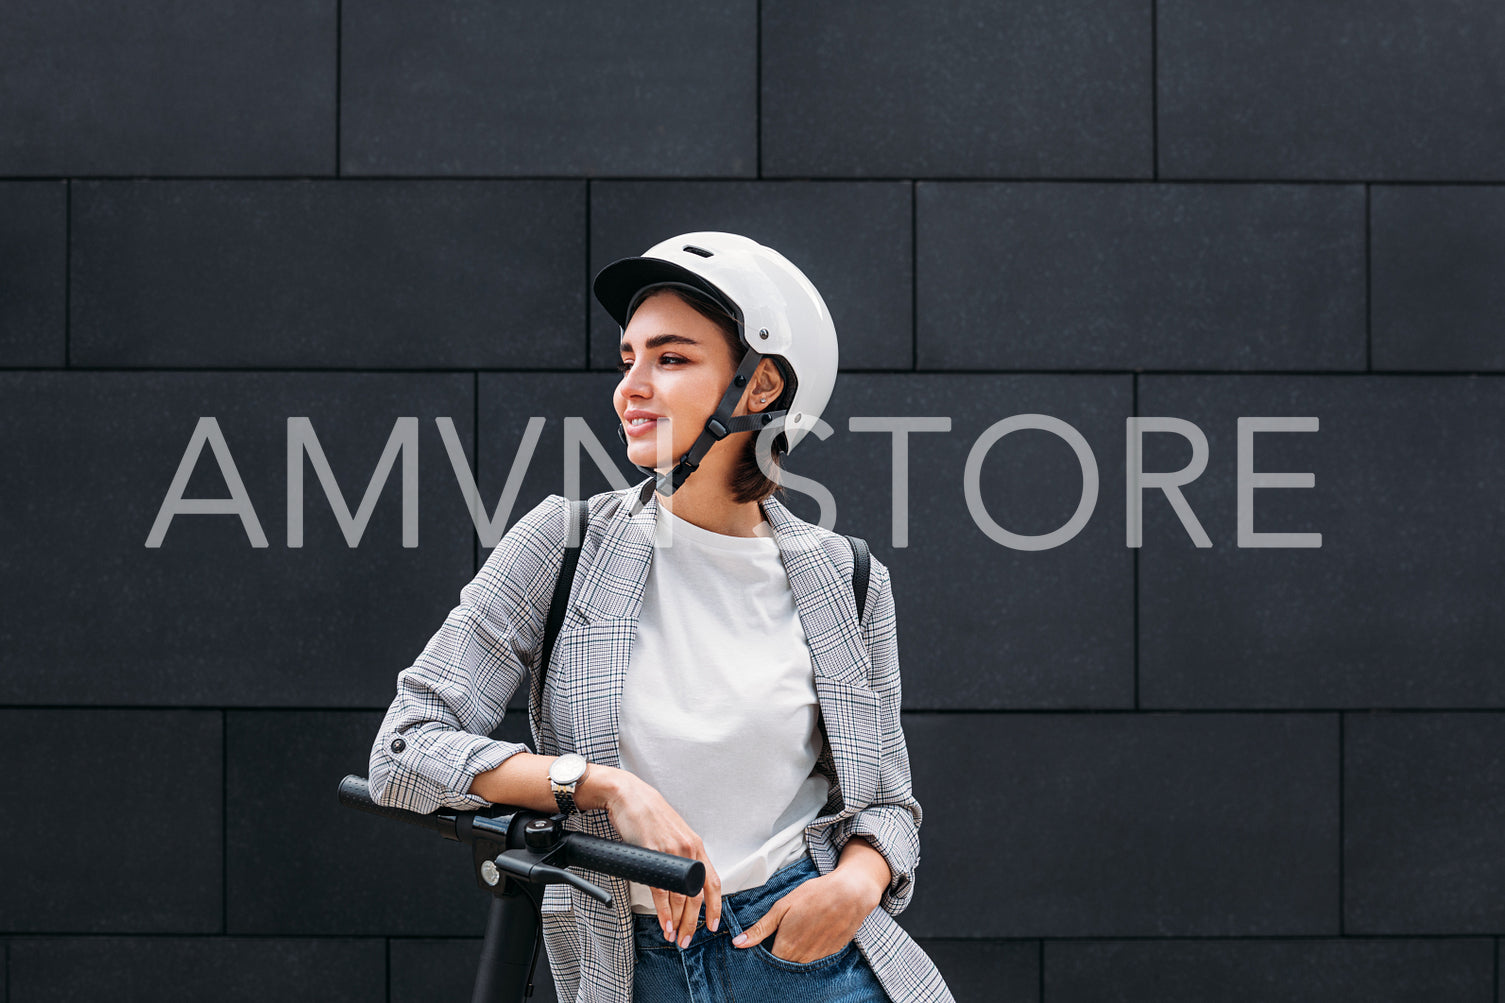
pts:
[765, 952]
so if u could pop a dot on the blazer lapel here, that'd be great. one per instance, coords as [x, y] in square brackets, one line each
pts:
[828, 614]
[609, 598]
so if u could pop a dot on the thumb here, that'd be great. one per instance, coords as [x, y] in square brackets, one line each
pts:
[765, 925]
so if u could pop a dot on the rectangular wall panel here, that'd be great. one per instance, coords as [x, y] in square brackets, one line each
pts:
[1438, 254]
[1133, 276]
[1398, 607]
[113, 823]
[1424, 823]
[1387, 90]
[1137, 825]
[658, 88]
[156, 88]
[34, 262]
[381, 274]
[969, 89]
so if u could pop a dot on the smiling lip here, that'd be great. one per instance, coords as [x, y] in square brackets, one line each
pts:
[642, 428]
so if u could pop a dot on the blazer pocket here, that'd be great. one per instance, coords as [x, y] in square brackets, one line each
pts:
[849, 712]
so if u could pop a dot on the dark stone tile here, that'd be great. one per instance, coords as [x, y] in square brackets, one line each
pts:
[1424, 823]
[190, 969]
[964, 89]
[229, 88]
[206, 617]
[982, 625]
[425, 970]
[300, 863]
[1437, 257]
[1133, 276]
[851, 239]
[1386, 91]
[322, 274]
[148, 860]
[982, 971]
[1299, 971]
[1141, 825]
[1398, 607]
[653, 87]
[33, 259]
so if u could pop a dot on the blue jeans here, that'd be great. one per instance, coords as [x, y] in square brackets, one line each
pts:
[711, 970]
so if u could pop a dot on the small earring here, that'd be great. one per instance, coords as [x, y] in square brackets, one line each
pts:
[762, 400]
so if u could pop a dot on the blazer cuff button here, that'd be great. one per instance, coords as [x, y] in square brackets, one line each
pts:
[398, 745]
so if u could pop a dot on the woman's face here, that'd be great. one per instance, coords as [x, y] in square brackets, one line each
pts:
[675, 366]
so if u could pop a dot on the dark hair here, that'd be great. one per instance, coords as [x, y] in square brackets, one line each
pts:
[749, 483]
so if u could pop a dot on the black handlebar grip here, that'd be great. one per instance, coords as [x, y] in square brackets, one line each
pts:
[649, 867]
[355, 793]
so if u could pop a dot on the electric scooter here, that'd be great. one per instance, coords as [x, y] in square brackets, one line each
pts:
[515, 852]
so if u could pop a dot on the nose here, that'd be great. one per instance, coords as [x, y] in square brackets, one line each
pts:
[635, 382]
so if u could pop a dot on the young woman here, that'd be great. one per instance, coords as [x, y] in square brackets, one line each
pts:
[713, 693]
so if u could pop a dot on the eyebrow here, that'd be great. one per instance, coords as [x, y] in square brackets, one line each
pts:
[660, 340]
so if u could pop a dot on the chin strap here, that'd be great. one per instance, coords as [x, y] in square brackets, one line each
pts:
[717, 427]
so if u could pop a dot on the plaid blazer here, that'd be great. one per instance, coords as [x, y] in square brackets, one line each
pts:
[456, 692]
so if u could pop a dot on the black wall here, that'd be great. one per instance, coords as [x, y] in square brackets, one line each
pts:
[1163, 774]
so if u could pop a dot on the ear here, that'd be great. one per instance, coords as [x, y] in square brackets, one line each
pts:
[765, 386]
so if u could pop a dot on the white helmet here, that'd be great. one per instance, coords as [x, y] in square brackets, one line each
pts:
[778, 311]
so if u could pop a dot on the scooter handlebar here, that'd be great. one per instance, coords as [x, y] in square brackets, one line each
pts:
[355, 793]
[635, 863]
[579, 849]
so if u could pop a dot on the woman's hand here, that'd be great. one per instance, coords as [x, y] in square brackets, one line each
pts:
[640, 813]
[816, 918]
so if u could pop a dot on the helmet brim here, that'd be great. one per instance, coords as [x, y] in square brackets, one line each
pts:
[618, 283]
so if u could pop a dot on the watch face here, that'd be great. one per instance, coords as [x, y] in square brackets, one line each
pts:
[567, 768]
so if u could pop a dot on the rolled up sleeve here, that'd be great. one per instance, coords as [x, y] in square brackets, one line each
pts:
[433, 742]
[892, 822]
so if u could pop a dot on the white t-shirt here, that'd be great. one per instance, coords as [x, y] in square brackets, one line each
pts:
[718, 709]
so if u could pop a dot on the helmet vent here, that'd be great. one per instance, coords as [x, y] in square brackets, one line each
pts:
[697, 250]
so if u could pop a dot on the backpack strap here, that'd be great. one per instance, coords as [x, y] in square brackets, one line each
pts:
[579, 518]
[859, 573]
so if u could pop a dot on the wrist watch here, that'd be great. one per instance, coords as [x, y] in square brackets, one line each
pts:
[565, 774]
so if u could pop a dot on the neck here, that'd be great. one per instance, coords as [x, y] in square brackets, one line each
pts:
[710, 505]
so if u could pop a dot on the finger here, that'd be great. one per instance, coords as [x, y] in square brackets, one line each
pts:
[766, 924]
[712, 892]
[676, 916]
[661, 906]
[689, 914]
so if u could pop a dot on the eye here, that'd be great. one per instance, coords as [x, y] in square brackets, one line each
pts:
[670, 359]
[624, 365]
